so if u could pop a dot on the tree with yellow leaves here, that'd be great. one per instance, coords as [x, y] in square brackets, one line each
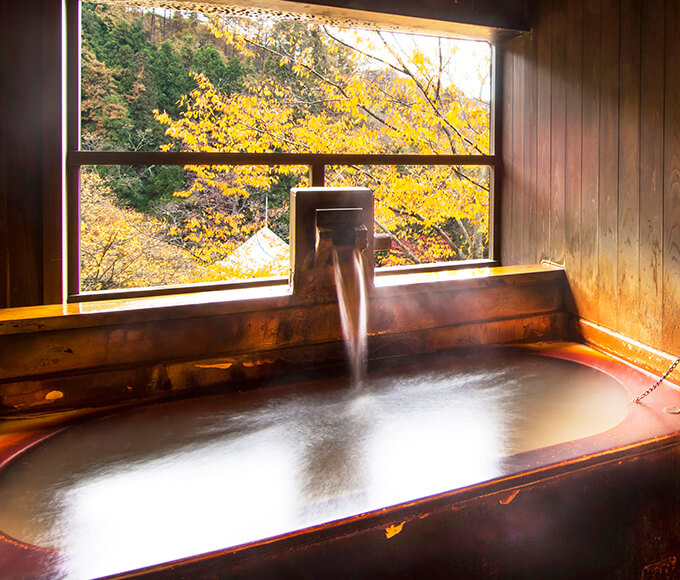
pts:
[123, 248]
[338, 92]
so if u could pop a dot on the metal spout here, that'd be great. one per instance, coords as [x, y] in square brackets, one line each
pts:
[324, 219]
[339, 228]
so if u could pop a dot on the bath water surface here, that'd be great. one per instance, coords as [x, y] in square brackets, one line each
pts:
[172, 480]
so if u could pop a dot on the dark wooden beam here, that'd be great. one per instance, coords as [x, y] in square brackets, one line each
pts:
[487, 19]
[30, 156]
[502, 14]
[79, 158]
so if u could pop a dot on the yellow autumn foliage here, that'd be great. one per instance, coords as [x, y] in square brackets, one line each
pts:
[122, 248]
[406, 107]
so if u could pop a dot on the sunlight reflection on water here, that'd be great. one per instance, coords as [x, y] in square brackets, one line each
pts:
[177, 479]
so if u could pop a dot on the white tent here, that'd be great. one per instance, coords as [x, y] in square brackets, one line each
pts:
[262, 254]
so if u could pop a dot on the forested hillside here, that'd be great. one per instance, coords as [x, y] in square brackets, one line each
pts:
[177, 81]
[134, 63]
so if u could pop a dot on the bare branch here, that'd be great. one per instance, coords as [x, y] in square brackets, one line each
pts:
[428, 100]
[447, 239]
[323, 79]
[397, 241]
[463, 175]
[463, 228]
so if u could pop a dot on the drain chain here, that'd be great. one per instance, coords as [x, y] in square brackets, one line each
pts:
[651, 389]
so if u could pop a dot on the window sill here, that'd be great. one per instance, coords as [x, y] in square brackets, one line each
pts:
[95, 353]
[220, 302]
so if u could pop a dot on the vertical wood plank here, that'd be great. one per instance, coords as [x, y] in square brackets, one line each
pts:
[609, 164]
[628, 265]
[530, 140]
[587, 302]
[574, 80]
[518, 152]
[557, 128]
[73, 218]
[603, 95]
[52, 154]
[508, 170]
[23, 130]
[496, 143]
[543, 130]
[4, 174]
[671, 212]
[651, 171]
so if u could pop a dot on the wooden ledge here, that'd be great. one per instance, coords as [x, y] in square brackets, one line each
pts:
[67, 357]
[220, 302]
[616, 344]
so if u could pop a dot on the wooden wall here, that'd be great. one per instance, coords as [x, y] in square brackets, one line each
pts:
[30, 153]
[591, 149]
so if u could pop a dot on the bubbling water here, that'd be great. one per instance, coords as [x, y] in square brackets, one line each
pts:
[350, 282]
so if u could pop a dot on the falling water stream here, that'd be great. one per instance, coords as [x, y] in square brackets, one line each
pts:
[350, 282]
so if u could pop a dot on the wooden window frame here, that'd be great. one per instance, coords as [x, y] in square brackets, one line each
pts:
[76, 158]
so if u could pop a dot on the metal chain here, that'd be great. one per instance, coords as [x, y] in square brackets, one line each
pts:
[651, 389]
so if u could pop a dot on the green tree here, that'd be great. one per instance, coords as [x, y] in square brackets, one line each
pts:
[172, 79]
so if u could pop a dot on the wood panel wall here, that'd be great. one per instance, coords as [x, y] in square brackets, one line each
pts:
[30, 153]
[592, 159]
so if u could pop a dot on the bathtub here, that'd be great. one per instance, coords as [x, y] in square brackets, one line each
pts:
[499, 462]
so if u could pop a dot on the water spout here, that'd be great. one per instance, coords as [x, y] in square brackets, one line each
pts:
[341, 234]
[334, 259]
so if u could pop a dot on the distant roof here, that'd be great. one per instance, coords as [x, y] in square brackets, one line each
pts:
[264, 253]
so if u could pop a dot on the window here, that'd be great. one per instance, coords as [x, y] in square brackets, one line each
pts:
[187, 131]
